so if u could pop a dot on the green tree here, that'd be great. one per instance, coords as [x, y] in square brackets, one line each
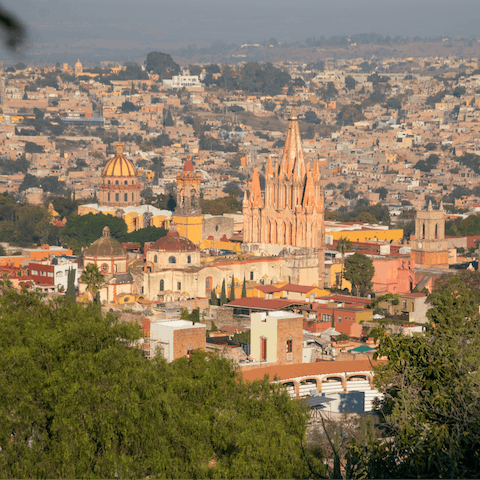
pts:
[431, 406]
[232, 289]
[343, 246]
[82, 230]
[219, 206]
[350, 82]
[213, 297]
[75, 386]
[359, 271]
[223, 295]
[244, 288]
[93, 278]
[168, 121]
[162, 64]
[70, 293]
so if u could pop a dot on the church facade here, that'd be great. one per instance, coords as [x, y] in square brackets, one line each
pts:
[289, 219]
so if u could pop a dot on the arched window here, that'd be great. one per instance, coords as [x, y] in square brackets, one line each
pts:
[162, 285]
[172, 259]
[189, 259]
[116, 182]
[126, 182]
[109, 182]
[117, 197]
[423, 231]
[125, 198]
[251, 275]
[155, 259]
[436, 231]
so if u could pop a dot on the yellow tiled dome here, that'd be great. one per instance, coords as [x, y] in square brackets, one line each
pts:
[119, 166]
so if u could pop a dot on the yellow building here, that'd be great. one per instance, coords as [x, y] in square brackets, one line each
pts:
[360, 232]
[188, 216]
[119, 195]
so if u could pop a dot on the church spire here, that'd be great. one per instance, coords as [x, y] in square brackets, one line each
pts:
[269, 170]
[245, 199]
[256, 192]
[309, 196]
[293, 152]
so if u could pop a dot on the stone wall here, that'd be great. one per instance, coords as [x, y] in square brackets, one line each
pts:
[220, 228]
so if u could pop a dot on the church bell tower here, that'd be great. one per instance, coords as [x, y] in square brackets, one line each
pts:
[430, 248]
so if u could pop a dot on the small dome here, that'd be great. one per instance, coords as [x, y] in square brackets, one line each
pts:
[105, 246]
[119, 166]
[173, 242]
[188, 167]
[78, 64]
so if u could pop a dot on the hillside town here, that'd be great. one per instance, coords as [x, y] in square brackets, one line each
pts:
[283, 226]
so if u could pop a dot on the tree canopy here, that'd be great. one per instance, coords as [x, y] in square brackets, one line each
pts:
[161, 63]
[79, 400]
[82, 230]
[359, 271]
[431, 409]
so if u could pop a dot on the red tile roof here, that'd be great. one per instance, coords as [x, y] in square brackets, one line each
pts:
[262, 304]
[290, 287]
[268, 288]
[284, 372]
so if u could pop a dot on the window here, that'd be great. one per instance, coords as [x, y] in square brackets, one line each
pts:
[50, 274]
[179, 285]
[189, 259]
[216, 228]
[125, 197]
[108, 197]
[404, 304]
[251, 275]
[172, 259]
[162, 285]
[208, 285]
[59, 274]
[109, 182]
[339, 319]
[116, 182]
[155, 259]
[43, 273]
[117, 197]
[133, 197]
[126, 183]
[34, 272]
[289, 346]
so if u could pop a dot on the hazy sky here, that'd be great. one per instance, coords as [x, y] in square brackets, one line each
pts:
[67, 25]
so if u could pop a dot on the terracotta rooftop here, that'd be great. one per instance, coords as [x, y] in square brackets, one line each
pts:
[262, 304]
[290, 287]
[285, 372]
[105, 246]
[173, 242]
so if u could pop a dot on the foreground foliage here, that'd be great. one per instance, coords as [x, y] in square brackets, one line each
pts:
[431, 409]
[79, 400]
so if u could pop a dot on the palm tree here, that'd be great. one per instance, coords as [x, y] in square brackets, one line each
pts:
[93, 278]
[343, 246]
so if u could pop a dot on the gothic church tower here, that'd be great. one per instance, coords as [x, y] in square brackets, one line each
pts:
[188, 215]
[430, 247]
[290, 216]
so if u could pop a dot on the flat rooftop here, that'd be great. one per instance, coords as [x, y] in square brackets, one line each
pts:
[180, 324]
